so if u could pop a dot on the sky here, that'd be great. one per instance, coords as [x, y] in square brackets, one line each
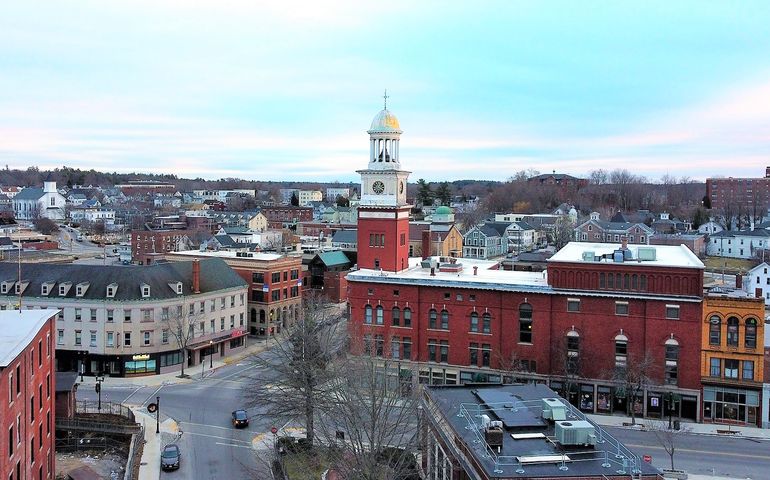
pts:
[286, 90]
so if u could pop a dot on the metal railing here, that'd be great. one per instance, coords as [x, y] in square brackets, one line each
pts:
[612, 452]
[136, 440]
[110, 408]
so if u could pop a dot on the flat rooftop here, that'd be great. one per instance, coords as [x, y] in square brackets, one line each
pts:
[18, 328]
[487, 276]
[265, 257]
[530, 448]
[665, 255]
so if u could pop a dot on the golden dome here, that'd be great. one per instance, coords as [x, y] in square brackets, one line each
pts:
[385, 122]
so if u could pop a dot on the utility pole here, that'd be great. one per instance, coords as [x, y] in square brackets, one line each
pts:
[157, 415]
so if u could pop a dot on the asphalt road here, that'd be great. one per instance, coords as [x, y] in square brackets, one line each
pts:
[703, 454]
[211, 448]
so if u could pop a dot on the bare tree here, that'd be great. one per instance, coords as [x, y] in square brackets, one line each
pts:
[667, 438]
[563, 231]
[634, 378]
[303, 371]
[374, 406]
[181, 327]
[598, 177]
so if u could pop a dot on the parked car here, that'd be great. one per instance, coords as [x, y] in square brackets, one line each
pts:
[240, 419]
[169, 458]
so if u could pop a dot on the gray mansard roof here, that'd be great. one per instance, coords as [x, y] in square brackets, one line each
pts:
[215, 275]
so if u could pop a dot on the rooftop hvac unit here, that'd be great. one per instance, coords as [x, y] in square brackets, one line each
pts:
[578, 432]
[646, 254]
[553, 409]
[493, 435]
[588, 256]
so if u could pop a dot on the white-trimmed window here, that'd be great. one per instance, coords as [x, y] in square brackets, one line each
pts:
[621, 308]
[573, 304]
[621, 350]
[672, 312]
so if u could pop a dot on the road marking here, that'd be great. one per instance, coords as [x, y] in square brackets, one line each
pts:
[233, 445]
[151, 395]
[218, 438]
[125, 400]
[709, 452]
[236, 373]
[206, 425]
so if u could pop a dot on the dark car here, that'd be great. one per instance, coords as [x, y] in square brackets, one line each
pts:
[240, 418]
[169, 458]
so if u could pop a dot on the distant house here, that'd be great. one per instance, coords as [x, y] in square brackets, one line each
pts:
[696, 242]
[558, 179]
[485, 241]
[46, 202]
[346, 240]
[666, 224]
[327, 274]
[600, 231]
[757, 282]
[739, 244]
[76, 199]
[521, 237]
[710, 228]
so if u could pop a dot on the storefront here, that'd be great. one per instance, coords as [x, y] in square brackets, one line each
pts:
[731, 405]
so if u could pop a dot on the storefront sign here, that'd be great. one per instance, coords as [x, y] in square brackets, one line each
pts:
[140, 357]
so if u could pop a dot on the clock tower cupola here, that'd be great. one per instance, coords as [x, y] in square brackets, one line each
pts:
[383, 213]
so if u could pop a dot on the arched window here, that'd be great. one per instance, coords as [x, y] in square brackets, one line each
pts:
[525, 323]
[368, 314]
[751, 333]
[444, 320]
[432, 317]
[621, 350]
[732, 332]
[486, 323]
[715, 330]
[380, 315]
[253, 316]
[474, 322]
[573, 352]
[395, 316]
[672, 362]
[407, 317]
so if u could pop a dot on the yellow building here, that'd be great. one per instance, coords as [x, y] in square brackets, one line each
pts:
[732, 347]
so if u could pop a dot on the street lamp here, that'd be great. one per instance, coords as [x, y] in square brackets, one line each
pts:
[211, 354]
[99, 380]
[670, 408]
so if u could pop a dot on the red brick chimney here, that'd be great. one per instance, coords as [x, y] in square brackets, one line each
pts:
[425, 241]
[196, 276]
[739, 281]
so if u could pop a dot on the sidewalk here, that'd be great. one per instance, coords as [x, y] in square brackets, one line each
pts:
[149, 468]
[253, 346]
[697, 428]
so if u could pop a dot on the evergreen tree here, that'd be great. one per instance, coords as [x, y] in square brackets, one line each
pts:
[444, 193]
[424, 192]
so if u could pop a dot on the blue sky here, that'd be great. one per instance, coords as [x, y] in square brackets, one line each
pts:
[264, 91]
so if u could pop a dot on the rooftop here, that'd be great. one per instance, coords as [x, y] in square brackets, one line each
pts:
[487, 275]
[18, 328]
[530, 445]
[228, 254]
[664, 255]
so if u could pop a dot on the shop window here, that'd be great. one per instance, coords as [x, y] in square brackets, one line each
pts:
[474, 354]
[525, 323]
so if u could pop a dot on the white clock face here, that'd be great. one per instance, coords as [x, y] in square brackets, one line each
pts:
[378, 187]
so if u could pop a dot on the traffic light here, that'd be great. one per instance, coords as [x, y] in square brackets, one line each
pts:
[98, 387]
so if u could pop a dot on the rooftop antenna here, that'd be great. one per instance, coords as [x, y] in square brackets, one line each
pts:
[385, 97]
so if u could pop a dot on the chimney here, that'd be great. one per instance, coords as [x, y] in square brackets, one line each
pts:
[624, 242]
[196, 276]
[475, 270]
[425, 241]
[758, 292]
[739, 281]
[432, 271]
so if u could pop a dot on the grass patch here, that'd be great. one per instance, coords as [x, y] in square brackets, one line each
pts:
[732, 264]
[305, 465]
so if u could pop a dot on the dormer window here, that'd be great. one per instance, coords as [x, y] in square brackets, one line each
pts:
[176, 287]
[145, 290]
[46, 288]
[6, 286]
[64, 288]
[81, 288]
[20, 287]
[112, 289]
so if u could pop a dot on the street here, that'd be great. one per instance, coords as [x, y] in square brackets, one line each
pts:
[211, 448]
[703, 454]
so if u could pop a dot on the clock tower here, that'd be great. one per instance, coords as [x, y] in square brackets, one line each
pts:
[383, 214]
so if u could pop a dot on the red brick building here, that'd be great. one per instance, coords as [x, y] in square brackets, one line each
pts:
[286, 216]
[750, 194]
[597, 308]
[149, 245]
[27, 399]
[275, 286]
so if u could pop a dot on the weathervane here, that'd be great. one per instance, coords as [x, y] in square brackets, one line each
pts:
[386, 98]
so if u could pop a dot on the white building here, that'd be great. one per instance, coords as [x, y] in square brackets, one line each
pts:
[333, 193]
[307, 196]
[740, 244]
[46, 202]
[709, 228]
[757, 282]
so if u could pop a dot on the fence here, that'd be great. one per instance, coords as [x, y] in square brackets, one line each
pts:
[86, 406]
[136, 440]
